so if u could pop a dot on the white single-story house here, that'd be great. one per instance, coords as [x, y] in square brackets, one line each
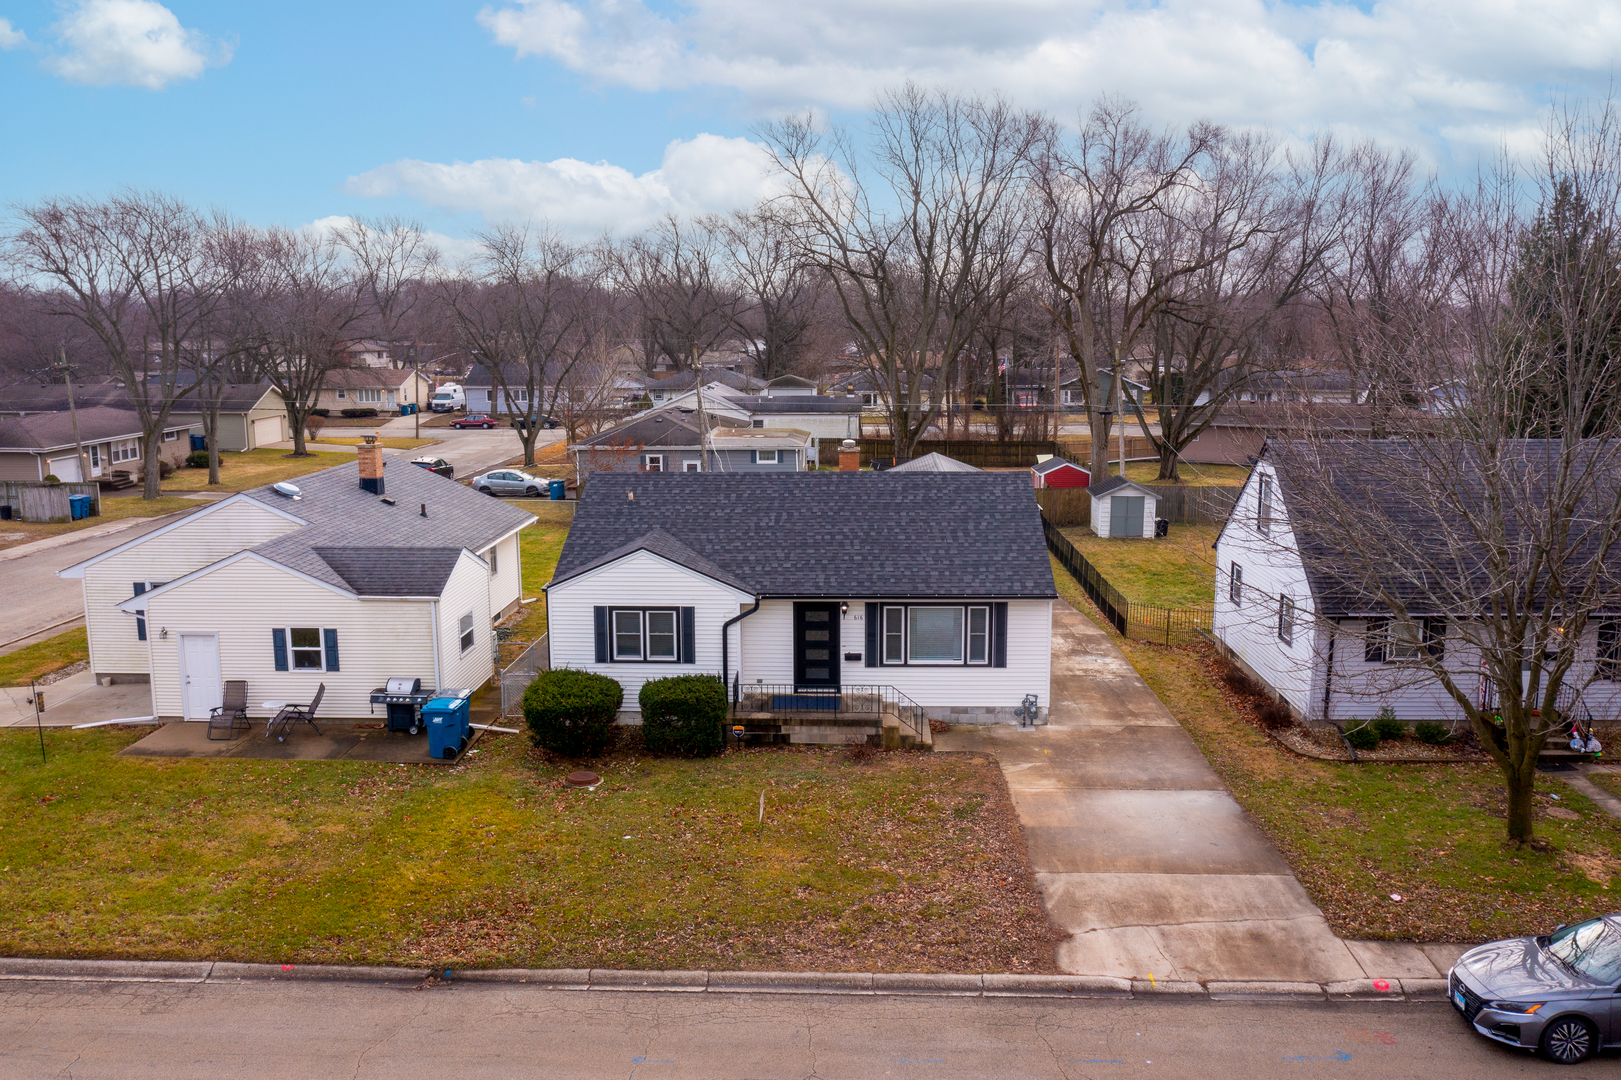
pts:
[669, 439]
[1123, 509]
[936, 585]
[351, 576]
[38, 445]
[1286, 612]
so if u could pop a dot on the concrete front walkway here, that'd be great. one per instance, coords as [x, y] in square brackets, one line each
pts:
[1142, 854]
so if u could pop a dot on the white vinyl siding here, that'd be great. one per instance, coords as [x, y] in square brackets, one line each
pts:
[191, 545]
[643, 581]
[767, 647]
[507, 580]
[467, 590]
[376, 638]
[1103, 506]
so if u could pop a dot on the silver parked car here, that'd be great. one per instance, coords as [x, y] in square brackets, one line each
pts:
[509, 482]
[1559, 993]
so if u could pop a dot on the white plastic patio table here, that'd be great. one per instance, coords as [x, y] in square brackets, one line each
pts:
[273, 706]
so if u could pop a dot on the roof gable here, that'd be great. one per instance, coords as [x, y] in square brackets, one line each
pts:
[1115, 482]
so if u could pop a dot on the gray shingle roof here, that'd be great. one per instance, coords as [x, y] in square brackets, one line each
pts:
[803, 403]
[54, 430]
[669, 426]
[1053, 463]
[848, 535]
[666, 546]
[392, 571]
[342, 517]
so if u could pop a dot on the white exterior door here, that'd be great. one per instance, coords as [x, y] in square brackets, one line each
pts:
[199, 674]
[266, 430]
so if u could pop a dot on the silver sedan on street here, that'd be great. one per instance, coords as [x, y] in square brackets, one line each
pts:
[1559, 993]
[509, 482]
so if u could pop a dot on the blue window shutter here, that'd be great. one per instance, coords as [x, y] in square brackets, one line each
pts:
[601, 614]
[278, 644]
[872, 636]
[999, 634]
[331, 641]
[754, 457]
[140, 621]
[689, 635]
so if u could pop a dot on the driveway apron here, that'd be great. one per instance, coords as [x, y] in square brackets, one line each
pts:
[1139, 850]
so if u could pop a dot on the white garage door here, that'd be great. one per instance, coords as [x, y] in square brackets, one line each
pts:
[66, 468]
[266, 430]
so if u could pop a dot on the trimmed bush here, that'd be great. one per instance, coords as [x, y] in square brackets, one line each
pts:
[50, 478]
[1386, 726]
[572, 712]
[684, 714]
[1362, 738]
[356, 414]
[322, 413]
[1274, 715]
[198, 459]
[1433, 733]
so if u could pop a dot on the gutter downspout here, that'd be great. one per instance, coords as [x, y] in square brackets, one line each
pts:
[433, 613]
[1328, 673]
[725, 643]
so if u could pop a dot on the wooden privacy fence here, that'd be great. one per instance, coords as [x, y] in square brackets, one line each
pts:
[1072, 507]
[980, 453]
[1131, 618]
[27, 501]
[1078, 448]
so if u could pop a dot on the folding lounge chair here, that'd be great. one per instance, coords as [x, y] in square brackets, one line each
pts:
[231, 714]
[282, 723]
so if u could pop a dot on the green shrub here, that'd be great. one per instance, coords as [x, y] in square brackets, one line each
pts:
[355, 414]
[50, 478]
[572, 712]
[1386, 726]
[322, 413]
[1362, 738]
[684, 714]
[198, 459]
[1433, 733]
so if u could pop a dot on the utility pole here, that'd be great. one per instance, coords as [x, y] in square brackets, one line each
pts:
[416, 386]
[73, 412]
[1119, 407]
[703, 422]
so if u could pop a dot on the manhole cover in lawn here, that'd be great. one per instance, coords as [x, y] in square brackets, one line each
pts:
[582, 778]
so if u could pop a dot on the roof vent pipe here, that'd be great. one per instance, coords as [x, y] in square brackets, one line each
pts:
[424, 509]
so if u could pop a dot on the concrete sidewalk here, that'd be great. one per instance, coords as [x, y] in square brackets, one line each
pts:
[1142, 854]
[76, 699]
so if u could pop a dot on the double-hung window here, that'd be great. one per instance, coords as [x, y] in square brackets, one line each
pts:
[304, 648]
[1263, 496]
[652, 462]
[1286, 619]
[645, 634]
[1609, 651]
[765, 457]
[1235, 585]
[936, 634]
[170, 436]
[465, 626]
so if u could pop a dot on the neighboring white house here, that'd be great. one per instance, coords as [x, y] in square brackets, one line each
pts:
[1283, 611]
[935, 584]
[370, 570]
[823, 416]
[1123, 509]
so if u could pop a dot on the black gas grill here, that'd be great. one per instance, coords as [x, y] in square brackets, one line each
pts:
[404, 698]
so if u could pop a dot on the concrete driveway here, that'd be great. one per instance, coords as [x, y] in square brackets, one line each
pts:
[1142, 854]
[77, 699]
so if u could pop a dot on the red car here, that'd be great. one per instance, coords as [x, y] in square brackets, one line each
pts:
[478, 420]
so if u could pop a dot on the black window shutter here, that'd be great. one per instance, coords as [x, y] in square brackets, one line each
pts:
[689, 635]
[140, 620]
[1435, 636]
[601, 614]
[999, 634]
[330, 637]
[278, 644]
[1373, 649]
[872, 658]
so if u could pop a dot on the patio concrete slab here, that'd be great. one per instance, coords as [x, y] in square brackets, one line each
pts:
[1393, 960]
[336, 742]
[1140, 852]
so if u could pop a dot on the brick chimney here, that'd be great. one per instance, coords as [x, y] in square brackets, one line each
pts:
[371, 465]
[849, 456]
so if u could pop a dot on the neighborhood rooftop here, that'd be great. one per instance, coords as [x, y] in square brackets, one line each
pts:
[882, 535]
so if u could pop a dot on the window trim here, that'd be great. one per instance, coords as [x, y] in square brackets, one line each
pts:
[1286, 619]
[691, 466]
[1607, 654]
[294, 650]
[886, 657]
[468, 632]
[644, 635]
[1263, 505]
[650, 460]
[171, 435]
[761, 459]
[1235, 585]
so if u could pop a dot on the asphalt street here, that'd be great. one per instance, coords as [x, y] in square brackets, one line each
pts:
[474, 450]
[310, 1030]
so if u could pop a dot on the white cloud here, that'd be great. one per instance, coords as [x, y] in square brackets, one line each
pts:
[705, 173]
[131, 43]
[1407, 68]
[10, 36]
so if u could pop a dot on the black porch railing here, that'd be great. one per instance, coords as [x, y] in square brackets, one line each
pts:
[786, 701]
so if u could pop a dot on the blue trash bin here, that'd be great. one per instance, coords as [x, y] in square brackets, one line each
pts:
[448, 724]
[79, 506]
[557, 489]
[199, 442]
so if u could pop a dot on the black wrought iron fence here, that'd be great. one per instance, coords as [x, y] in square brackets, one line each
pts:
[1130, 618]
[785, 701]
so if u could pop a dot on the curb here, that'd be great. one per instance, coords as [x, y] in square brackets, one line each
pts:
[846, 983]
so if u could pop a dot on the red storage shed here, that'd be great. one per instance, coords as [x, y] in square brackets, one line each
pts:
[1056, 472]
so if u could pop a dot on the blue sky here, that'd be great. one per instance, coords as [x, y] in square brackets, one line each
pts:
[602, 113]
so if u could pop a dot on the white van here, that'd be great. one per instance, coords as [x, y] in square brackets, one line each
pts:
[448, 398]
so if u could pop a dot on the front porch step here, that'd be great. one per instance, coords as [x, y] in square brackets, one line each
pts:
[830, 731]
